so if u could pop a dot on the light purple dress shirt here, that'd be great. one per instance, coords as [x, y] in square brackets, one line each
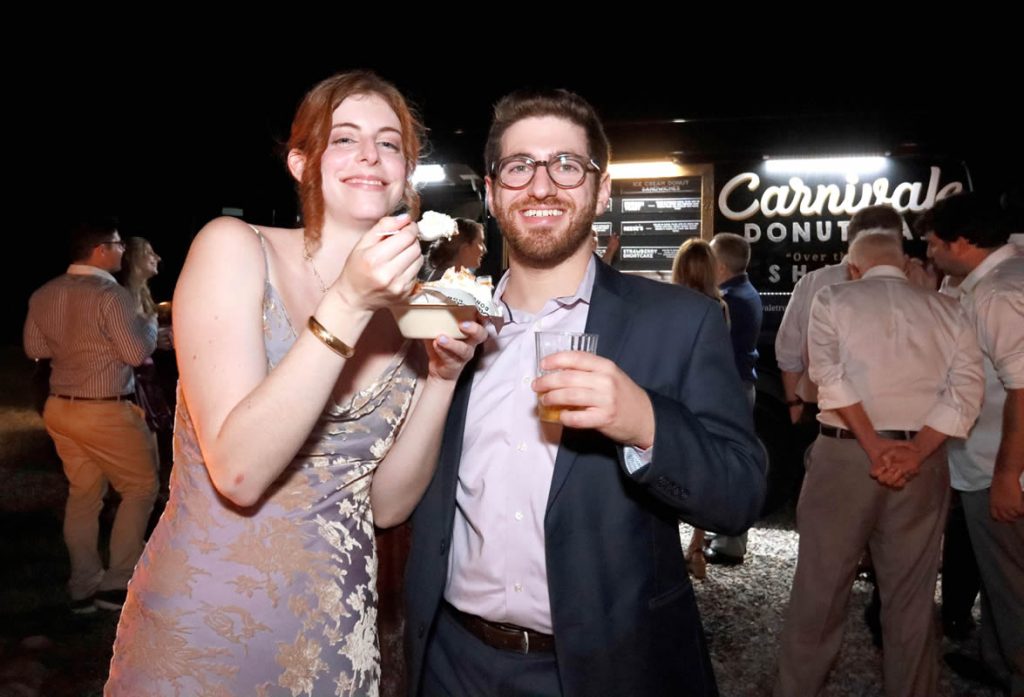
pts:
[497, 568]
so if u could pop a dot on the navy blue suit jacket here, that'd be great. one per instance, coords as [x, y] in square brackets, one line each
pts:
[623, 610]
[745, 314]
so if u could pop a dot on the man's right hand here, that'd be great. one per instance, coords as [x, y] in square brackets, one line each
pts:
[600, 395]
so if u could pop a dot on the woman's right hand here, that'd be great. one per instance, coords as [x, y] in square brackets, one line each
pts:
[381, 269]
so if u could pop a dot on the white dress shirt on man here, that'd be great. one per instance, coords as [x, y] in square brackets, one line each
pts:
[791, 339]
[993, 296]
[902, 381]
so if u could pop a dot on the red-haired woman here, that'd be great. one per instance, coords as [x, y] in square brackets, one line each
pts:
[304, 420]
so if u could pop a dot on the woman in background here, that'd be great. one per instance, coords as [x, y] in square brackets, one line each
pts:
[138, 265]
[694, 267]
[466, 249]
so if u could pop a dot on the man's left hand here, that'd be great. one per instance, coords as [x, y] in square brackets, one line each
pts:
[597, 394]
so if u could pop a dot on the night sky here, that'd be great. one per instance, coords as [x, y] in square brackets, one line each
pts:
[166, 140]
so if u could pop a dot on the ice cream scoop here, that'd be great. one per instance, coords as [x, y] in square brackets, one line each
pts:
[433, 226]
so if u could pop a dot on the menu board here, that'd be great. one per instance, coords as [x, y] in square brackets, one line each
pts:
[653, 217]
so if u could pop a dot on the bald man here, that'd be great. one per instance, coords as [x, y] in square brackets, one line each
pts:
[898, 371]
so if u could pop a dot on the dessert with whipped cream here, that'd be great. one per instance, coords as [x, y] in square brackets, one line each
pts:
[437, 307]
[456, 284]
[433, 226]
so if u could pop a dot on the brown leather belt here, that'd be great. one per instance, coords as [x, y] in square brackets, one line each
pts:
[506, 637]
[130, 397]
[833, 432]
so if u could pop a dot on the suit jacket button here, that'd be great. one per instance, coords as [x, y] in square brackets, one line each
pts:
[444, 547]
[421, 630]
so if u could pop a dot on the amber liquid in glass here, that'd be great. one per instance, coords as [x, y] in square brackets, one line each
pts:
[549, 414]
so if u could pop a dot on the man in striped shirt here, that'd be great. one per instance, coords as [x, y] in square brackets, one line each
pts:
[88, 325]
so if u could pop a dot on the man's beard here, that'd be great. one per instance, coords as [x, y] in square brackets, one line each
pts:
[543, 247]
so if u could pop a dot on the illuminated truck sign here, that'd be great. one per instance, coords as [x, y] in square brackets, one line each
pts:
[795, 212]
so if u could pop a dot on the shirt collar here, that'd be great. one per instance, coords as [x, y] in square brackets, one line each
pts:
[582, 294]
[87, 270]
[981, 270]
[737, 280]
[885, 271]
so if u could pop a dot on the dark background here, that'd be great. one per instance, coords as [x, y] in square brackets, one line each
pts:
[166, 134]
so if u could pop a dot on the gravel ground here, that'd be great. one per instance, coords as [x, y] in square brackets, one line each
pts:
[742, 608]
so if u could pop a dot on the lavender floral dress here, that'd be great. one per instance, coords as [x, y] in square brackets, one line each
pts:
[280, 598]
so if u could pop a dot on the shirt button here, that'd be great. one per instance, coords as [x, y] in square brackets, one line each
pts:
[521, 447]
[518, 587]
[519, 515]
[527, 379]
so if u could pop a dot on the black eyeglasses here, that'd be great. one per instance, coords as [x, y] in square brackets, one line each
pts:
[566, 171]
[115, 243]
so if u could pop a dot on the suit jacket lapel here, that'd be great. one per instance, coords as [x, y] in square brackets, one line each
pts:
[609, 319]
[454, 428]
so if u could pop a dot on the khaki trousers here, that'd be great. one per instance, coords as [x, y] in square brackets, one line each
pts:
[842, 510]
[101, 442]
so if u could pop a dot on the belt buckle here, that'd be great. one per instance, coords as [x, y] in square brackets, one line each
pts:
[525, 647]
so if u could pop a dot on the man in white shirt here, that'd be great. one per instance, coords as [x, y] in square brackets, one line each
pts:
[898, 371]
[967, 238]
[791, 350]
[791, 339]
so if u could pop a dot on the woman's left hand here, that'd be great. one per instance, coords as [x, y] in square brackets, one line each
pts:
[447, 356]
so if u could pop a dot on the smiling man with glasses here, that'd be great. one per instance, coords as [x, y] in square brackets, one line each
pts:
[546, 557]
[86, 324]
